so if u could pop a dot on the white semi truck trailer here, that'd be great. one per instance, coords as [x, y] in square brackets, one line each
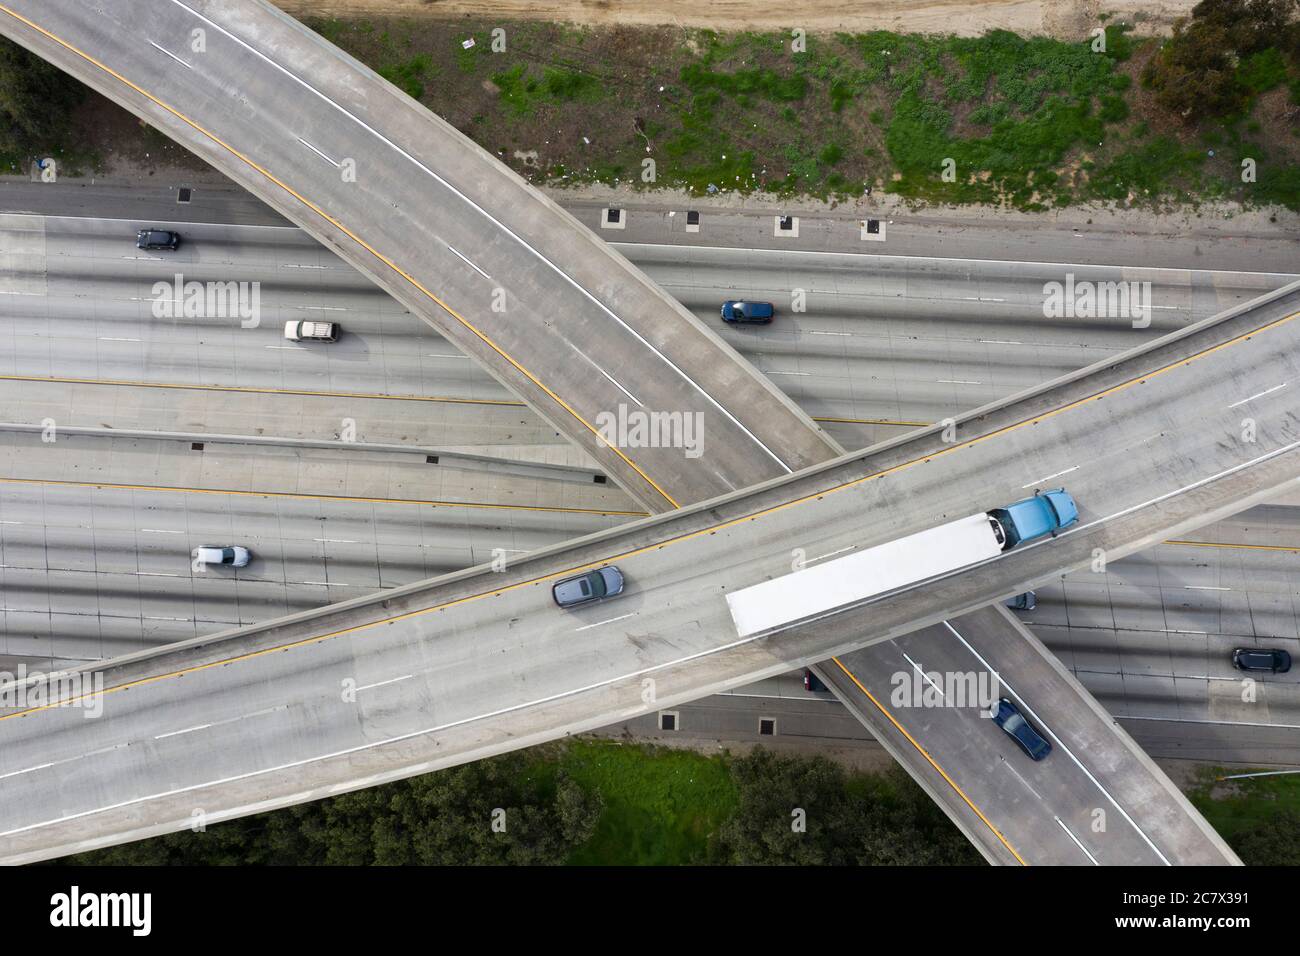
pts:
[815, 591]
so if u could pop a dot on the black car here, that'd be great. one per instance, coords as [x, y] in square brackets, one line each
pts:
[154, 239]
[1267, 659]
[1008, 716]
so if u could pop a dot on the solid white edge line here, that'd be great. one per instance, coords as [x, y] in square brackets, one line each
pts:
[1060, 743]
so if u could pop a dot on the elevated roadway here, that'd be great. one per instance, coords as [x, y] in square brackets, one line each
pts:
[1089, 803]
[437, 222]
[72, 255]
[478, 662]
[637, 488]
[96, 538]
[796, 447]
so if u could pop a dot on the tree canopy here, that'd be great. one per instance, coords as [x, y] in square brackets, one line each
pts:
[1199, 71]
[35, 100]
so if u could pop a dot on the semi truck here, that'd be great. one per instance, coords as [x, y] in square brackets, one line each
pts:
[813, 591]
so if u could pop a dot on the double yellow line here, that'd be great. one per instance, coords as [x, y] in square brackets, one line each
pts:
[257, 390]
[681, 538]
[483, 337]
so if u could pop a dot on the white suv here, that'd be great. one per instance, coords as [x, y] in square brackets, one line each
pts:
[233, 555]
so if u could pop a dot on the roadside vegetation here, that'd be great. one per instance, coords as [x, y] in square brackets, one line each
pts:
[1029, 123]
[610, 803]
[37, 102]
[1259, 816]
[590, 803]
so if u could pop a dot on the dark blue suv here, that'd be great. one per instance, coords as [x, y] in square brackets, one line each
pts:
[747, 313]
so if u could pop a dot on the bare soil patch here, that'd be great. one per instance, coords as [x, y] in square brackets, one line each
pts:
[1064, 19]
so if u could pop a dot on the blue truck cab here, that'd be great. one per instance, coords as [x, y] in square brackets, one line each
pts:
[1046, 513]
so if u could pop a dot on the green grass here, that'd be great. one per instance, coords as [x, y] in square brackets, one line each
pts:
[522, 90]
[661, 806]
[1030, 102]
[1027, 103]
[1030, 122]
[409, 75]
[1249, 804]
[759, 82]
[1262, 71]
[467, 61]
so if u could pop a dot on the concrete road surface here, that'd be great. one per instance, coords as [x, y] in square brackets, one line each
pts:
[1083, 804]
[97, 530]
[788, 442]
[884, 343]
[842, 295]
[440, 224]
[1152, 444]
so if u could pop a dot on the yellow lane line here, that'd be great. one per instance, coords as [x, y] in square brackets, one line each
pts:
[350, 234]
[315, 393]
[322, 393]
[872, 421]
[1244, 547]
[439, 503]
[299, 496]
[688, 536]
[933, 763]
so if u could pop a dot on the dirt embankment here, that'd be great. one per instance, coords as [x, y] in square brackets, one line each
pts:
[1064, 19]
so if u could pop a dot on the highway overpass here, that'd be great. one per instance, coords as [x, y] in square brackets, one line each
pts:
[729, 473]
[437, 222]
[77, 259]
[1152, 441]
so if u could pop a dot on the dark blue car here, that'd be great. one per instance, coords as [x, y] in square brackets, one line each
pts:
[1008, 716]
[747, 313]
[154, 239]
